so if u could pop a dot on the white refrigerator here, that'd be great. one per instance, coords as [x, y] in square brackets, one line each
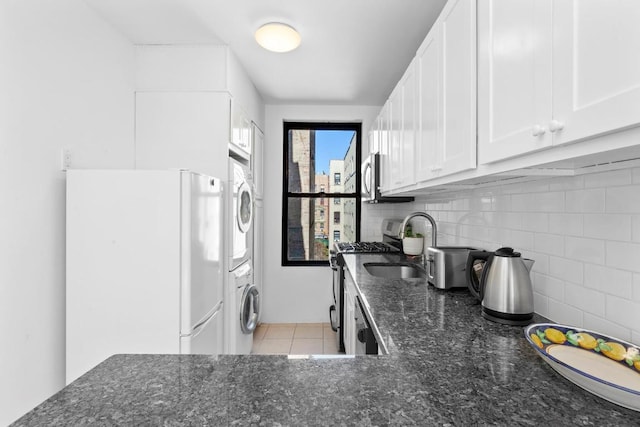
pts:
[144, 269]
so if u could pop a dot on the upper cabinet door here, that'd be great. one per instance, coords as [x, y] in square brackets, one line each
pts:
[458, 33]
[596, 60]
[514, 75]
[409, 95]
[395, 137]
[428, 137]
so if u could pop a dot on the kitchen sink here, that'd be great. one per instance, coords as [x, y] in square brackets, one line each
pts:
[394, 270]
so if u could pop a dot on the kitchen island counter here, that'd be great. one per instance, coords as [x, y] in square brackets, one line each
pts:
[446, 366]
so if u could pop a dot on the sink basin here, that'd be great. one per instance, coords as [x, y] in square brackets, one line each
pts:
[394, 270]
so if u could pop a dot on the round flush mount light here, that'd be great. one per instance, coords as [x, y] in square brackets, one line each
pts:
[277, 37]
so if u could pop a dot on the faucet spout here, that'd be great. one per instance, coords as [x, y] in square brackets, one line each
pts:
[434, 230]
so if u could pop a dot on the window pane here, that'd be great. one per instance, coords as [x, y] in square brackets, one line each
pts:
[314, 153]
[312, 226]
[320, 161]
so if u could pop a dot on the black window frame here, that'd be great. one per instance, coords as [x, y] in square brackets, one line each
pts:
[286, 195]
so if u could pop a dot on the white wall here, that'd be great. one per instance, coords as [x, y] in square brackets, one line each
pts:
[66, 80]
[583, 233]
[295, 294]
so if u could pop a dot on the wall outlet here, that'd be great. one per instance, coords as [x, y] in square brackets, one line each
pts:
[66, 158]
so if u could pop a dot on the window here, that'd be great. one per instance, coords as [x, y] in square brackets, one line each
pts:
[316, 158]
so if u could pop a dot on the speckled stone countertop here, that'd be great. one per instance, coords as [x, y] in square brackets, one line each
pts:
[446, 366]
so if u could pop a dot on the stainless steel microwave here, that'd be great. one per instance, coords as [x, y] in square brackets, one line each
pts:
[371, 183]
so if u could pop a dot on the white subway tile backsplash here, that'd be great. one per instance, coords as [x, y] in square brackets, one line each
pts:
[552, 244]
[567, 224]
[625, 256]
[623, 199]
[585, 250]
[541, 261]
[607, 226]
[541, 304]
[587, 300]
[622, 311]
[568, 183]
[607, 179]
[583, 233]
[598, 324]
[609, 280]
[590, 200]
[548, 202]
[566, 269]
[548, 286]
[565, 314]
[538, 222]
[635, 228]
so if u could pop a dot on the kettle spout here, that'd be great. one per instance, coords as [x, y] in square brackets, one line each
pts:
[528, 263]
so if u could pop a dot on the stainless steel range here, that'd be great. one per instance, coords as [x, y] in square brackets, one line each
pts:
[336, 261]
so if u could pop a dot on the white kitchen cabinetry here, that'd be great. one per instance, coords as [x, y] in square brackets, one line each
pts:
[384, 141]
[429, 136]
[457, 26]
[402, 121]
[551, 73]
[408, 125]
[240, 130]
[446, 64]
[395, 138]
[514, 71]
[596, 68]
[257, 161]
[350, 335]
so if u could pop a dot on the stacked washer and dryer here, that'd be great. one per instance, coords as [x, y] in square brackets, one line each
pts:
[242, 298]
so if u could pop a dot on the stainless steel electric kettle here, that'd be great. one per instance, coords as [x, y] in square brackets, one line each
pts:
[503, 285]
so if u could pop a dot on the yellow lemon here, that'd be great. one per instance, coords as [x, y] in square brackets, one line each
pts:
[536, 340]
[636, 365]
[555, 336]
[586, 341]
[617, 351]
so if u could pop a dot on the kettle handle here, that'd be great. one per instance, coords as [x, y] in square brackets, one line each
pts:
[475, 285]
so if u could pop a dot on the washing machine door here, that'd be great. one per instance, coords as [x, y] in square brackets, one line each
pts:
[244, 209]
[249, 309]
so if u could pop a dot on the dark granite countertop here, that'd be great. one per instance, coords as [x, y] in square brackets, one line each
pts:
[446, 366]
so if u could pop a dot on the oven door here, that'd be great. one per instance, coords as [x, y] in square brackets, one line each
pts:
[336, 315]
[365, 340]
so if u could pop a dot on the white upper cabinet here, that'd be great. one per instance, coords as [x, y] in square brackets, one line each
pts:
[446, 141]
[596, 67]
[409, 125]
[555, 72]
[383, 140]
[429, 135]
[514, 75]
[458, 40]
[395, 138]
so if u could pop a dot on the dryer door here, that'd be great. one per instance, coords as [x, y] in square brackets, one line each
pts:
[244, 210]
[249, 309]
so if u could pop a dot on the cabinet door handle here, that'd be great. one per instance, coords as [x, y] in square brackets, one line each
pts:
[538, 130]
[555, 125]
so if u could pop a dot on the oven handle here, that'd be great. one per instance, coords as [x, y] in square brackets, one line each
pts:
[332, 310]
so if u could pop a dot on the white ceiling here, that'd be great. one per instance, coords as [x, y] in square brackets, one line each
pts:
[352, 52]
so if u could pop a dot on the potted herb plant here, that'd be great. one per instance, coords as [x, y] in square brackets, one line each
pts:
[412, 243]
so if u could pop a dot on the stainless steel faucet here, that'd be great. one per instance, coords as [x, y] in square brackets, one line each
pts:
[434, 230]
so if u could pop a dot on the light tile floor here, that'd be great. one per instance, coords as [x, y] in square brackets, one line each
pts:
[294, 338]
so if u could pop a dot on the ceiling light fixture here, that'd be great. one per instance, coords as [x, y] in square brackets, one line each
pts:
[277, 37]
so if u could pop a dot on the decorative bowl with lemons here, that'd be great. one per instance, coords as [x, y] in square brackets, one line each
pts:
[605, 366]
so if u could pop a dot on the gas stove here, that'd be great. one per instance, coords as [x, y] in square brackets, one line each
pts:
[364, 247]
